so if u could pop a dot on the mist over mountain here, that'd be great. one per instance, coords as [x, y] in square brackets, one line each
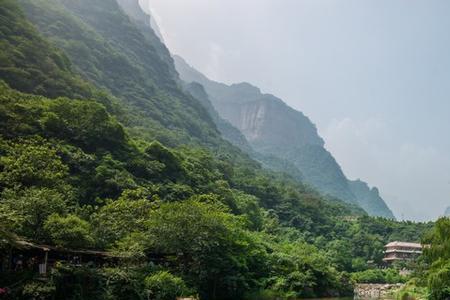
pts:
[228, 131]
[273, 133]
[273, 128]
[369, 199]
[119, 180]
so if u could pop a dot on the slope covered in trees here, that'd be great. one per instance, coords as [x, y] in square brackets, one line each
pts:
[90, 171]
[107, 49]
[29, 63]
[72, 177]
[274, 129]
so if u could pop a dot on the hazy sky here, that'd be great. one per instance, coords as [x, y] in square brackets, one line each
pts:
[374, 76]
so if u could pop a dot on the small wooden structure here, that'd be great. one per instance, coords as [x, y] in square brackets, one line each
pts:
[41, 258]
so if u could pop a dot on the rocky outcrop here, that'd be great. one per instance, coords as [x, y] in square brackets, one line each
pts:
[376, 291]
[228, 131]
[234, 135]
[370, 200]
[274, 129]
[267, 121]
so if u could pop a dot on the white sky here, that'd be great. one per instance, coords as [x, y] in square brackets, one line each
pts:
[374, 75]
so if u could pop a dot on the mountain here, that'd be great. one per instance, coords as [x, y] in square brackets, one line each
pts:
[234, 136]
[106, 156]
[148, 27]
[273, 128]
[228, 131]
[124, 57]
[447, 212]
[370, 200]
[110, 46]
[32, 64]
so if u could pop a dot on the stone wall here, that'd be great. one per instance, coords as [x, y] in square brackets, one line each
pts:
[376, 291]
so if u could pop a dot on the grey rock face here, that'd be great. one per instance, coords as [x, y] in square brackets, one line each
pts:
[370, 200]
[274, 129]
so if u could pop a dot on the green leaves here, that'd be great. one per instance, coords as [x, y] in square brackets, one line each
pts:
[208, 245]
[33, 206]
[378, 276]
[165, 286]
[112, 178]
[69, 231]
[437, 255]
[72, 175]
[120, 218]
[31, 162]
[172, 168]
[439, 241]
[31, 64]
[439, 280]
[301, 270]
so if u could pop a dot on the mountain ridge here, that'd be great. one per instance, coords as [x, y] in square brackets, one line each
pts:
[103, 165]
[273, 128]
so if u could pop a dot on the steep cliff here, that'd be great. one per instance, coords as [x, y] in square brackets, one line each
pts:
[370, 200]
[234, 135]
[228, 131]
[273, 128]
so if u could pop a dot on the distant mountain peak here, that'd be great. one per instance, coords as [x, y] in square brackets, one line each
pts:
[275, 129]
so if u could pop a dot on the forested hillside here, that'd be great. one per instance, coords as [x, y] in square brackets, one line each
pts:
[274, 129]
[103, 151]
[108, 50]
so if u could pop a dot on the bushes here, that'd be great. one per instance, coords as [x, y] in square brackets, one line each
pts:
[378, 276]
[412, 291]
[165, 286]
[301, 270]
[438, 256]
[439, 280]
[70, 231]
[210, 247]
[39, 290]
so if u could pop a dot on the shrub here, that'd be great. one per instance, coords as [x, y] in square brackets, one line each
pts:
[70, 231]
[439, 281]
[38, 290]
[165, 286]
[378, 276]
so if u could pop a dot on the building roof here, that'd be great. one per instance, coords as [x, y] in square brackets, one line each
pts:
[26, 244]
[403, 244]
[417, 251]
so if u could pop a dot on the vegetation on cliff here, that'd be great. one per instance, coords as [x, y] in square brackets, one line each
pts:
[106, 152]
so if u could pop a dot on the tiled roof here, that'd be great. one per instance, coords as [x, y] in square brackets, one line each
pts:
[404, 244]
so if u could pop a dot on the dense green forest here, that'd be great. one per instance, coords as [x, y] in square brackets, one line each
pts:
[101, 149]
[431, 277]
